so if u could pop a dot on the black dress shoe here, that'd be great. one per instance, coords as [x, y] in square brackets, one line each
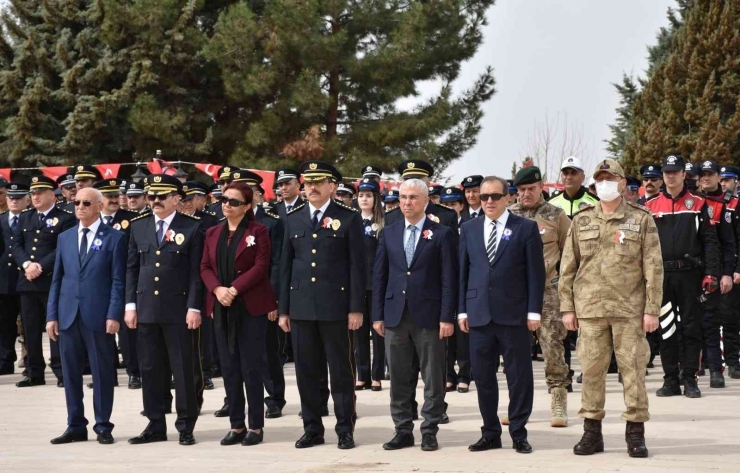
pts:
[485, 443]
[186, 438]
[273, 412]
[346, 441]
[253, 438]
[28, 382]
[310, 439]
[223, 412]
[209, 384]
[445, 419]
[105, 438]
[60, 383]
[69, 437]
[463, 390]
[429, 442]
[362, 387]
[376, 388]
[450, 388]
[232, 438]
[401, 440]
[148, 437]
[134, 382]
[522, 446]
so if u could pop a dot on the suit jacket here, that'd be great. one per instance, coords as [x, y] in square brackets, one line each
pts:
[276, 229]
[322, 270]
[371, 248]
[426, 287]
[465, 214]
[282, 213]
[251, 266]
[37, 242]
[9, 270]
[446, 217]
[164, 280]
[122, 221]
[515, 285]
[93, 288]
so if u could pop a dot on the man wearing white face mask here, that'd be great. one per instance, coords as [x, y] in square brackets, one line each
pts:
[611, 287]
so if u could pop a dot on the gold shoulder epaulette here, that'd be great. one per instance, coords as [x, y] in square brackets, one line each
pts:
[392, 210]
[267, 212]
[188, 215]
[210, 213]
[341, 204]
[26, 210]
[140, 216]
[222, 219]
[65, 210]
[296, 208]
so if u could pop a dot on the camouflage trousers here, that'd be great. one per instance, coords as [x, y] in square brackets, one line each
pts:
[551, 335]
[597, 338]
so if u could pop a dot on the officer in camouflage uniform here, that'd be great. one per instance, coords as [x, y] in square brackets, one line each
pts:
[554, 225]
[611, 280]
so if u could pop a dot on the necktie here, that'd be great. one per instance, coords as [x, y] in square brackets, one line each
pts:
[160, 231]
[410, 244]
[473, 215]
[83, 245]
[41, 218]
[288, 208]
[107, 219]
[13, 222]
[491, 246]
[315, 218]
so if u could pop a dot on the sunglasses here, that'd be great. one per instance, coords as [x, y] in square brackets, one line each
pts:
[161, 198]
[651, 179]
[495, 196]
[231, 202]
[86, 203]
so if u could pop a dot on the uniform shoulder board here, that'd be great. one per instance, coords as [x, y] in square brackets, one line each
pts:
[270, 214]
[26, 210]
[587, 207]
[188, 216]
[341, 204]
[67, 211]
[142, 215]
[640, 207]
[210, 213]
[3, 213]
[443, 207]
[392, 210]
[296, 208]
[222, 219]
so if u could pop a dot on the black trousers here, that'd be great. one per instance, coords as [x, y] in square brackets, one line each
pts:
[730, 310]
[458, 349]
[367, 371]
[309, 337]
[243, 369]
[207, 346]
[127, 342]
[198, 377]
[513, 342]
[273, 376]
[710, 323]
[681, 290]
[33, 317]
[158, 344]
[9, 310]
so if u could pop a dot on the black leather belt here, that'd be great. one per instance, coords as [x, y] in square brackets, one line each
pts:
[678, 265]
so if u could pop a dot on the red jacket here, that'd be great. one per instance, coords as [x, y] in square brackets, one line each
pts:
[252, 266]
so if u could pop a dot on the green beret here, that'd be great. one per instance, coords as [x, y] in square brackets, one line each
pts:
[528, 175]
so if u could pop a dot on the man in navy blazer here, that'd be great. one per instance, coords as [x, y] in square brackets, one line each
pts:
[414, 308]
[85, 311]
[502, 285]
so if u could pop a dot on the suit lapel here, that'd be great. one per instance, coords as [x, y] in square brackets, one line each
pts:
[151, 232]
[422, 241]
[511, 225]
[243, 242]
[306, 216]
[102, 232]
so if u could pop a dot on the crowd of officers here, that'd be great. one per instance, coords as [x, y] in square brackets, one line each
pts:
[693, 205]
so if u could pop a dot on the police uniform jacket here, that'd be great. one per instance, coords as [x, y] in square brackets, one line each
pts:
[122, 221]
[282, 213]
[276, 229]
[207, 218]
[164, 280]
[8, 268]
[37, 242]
[322, 269]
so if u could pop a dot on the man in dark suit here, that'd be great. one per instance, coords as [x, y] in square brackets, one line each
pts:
[85, 311]
[502, 285]
[34, 249]
[322, 280]
[17, 198]
[414, 308]
[164, 297]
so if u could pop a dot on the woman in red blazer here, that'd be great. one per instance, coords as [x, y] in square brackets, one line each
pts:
[234, 269]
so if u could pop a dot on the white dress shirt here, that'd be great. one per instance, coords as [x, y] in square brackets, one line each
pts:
[290, 204]
[500, 227]
[477, 212]
[103, 216]
[10, 218]
[90, 235]
[46, 212]
[321, 210]
[407, 233]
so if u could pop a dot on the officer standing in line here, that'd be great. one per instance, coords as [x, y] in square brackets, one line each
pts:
[453, 198]
[372, 173]
[652, 181]
[610, 290]
[66, 183]
[34, 251]
[345, 193]
[730, 304]
[322, 279]
[224, 179]
[135, 195]
[435, 192]
[691, 261]
[553, 225]
[86, 175]
[289, 189]
[164, 295]
[390, 199]
[631, 189]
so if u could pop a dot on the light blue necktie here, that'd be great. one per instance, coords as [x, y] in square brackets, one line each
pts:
[410, 244]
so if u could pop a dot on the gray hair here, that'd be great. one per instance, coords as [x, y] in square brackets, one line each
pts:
[96, 193]
[416, 184]
[492, 179]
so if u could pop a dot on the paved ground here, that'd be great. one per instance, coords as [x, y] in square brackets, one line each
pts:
[684, 435]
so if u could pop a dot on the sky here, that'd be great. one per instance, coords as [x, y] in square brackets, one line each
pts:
[554, 57]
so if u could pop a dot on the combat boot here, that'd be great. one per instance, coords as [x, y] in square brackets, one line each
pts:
[559, 408]
[592, 440]
[716, 379]
[670, 388]
[690, 388]
[734, 372]
[635, 437]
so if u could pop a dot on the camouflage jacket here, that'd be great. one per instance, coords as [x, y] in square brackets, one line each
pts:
[612, 264]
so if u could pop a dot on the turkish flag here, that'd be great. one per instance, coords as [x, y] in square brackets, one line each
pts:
[154, 167]
[54, 172]
[108, 171]
[5, 173]
[268, 178]
[210, 169]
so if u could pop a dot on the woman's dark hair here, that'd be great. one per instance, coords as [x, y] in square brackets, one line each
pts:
[378, 211]
[247, 195]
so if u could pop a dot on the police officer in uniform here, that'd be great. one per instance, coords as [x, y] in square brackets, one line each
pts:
[730, 304]
[224, 178]
[34, 250]
[372, 172]
[287, 181]
[575, 196]
[435, 192]
[9, 300]
[390, 199]
[66, 183]
[322, 279]
[345, 193]
[194, 203]
[86, 175]
[136, 198]
[164, 295]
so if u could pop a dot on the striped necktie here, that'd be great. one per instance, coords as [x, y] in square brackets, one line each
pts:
[491, 246]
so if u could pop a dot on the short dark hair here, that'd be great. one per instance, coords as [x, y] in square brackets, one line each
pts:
[493, 179]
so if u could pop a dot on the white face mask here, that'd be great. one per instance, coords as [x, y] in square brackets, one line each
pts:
[607, 190]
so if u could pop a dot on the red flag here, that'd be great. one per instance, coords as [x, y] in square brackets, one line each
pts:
[154, 167]
[209, 169]
[54, 172]
[108, 171]
[5, 174]
[268, 178]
